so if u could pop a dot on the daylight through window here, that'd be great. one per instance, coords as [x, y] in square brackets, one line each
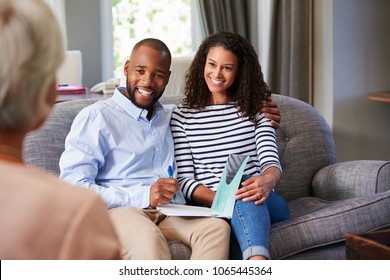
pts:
[167, 20]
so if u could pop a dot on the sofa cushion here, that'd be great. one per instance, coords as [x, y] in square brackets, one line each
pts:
[179, 251]
[328, 224]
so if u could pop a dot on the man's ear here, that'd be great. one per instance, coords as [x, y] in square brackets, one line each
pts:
[126, 67]
[169, 75]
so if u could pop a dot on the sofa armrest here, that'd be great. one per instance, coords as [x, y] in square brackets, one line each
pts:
[351, 179]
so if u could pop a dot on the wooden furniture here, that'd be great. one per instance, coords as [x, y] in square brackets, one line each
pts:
[368, 246]
[380, 96]
[88, 95]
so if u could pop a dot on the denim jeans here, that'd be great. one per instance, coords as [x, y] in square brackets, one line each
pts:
[251, 225]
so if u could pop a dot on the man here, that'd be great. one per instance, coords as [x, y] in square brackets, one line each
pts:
[122, 148]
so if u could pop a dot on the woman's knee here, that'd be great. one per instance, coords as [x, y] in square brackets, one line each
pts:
[278, 208]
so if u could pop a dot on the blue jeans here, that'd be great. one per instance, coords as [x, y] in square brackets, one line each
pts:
[251, 225]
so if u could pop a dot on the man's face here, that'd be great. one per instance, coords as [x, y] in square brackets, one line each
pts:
[147, 74]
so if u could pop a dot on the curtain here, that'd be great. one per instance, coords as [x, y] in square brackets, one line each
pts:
[290, 61]
[228, 15]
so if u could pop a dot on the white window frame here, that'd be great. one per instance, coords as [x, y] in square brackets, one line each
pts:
[107, 40]
[58, 8]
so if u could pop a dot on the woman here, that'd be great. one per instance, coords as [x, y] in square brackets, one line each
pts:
[40, 217]
[220, 116]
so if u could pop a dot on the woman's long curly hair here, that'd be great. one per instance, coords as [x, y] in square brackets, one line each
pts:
[249, 88]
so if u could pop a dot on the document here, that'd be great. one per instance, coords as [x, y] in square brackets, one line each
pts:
[224, 200]
[188, 211]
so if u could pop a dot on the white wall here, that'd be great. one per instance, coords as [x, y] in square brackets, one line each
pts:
[323, 58]
[352, 59]
[83, 25]
[361, 64]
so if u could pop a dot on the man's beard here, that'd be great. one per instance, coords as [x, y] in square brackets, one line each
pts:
[131, 92]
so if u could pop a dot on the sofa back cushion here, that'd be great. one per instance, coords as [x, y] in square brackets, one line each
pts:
[43, 147]
[305, 144]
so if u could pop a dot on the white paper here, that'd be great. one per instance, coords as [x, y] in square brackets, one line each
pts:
[224, 200]
[188, 211]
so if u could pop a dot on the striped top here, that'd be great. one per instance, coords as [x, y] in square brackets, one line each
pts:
[205, 138]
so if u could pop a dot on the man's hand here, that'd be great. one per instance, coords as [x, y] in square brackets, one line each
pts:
[162, 191]
[271, 111]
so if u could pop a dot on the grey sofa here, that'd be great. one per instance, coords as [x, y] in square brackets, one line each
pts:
[327, 199]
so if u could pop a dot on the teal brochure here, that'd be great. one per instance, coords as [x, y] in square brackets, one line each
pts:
[224, 200]
[230, 181]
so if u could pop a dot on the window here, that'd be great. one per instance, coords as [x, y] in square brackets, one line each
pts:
[167, 20]
[58, 8]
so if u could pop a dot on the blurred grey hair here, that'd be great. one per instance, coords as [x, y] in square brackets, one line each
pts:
[31, 50]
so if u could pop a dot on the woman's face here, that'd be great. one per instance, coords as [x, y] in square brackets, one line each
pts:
[220, 70]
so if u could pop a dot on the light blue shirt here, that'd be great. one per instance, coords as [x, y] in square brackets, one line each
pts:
[114, 150]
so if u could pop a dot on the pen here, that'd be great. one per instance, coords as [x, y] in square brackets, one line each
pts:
[170, 172]
[170, 175]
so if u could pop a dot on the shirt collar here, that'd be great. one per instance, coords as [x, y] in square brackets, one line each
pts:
[122, 101]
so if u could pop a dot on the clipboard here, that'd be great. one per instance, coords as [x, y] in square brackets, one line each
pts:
[224, 200]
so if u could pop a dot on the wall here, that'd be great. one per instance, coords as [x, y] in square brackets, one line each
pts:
[323, 58]
[361, 64]
[83, 33]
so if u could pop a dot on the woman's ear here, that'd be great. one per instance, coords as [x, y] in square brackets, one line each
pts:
[51, 94]
[49, 100]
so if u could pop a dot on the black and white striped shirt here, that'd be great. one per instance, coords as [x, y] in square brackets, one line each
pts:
[204, 139]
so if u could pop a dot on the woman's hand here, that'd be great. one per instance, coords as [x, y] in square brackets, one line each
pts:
[258, 188]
